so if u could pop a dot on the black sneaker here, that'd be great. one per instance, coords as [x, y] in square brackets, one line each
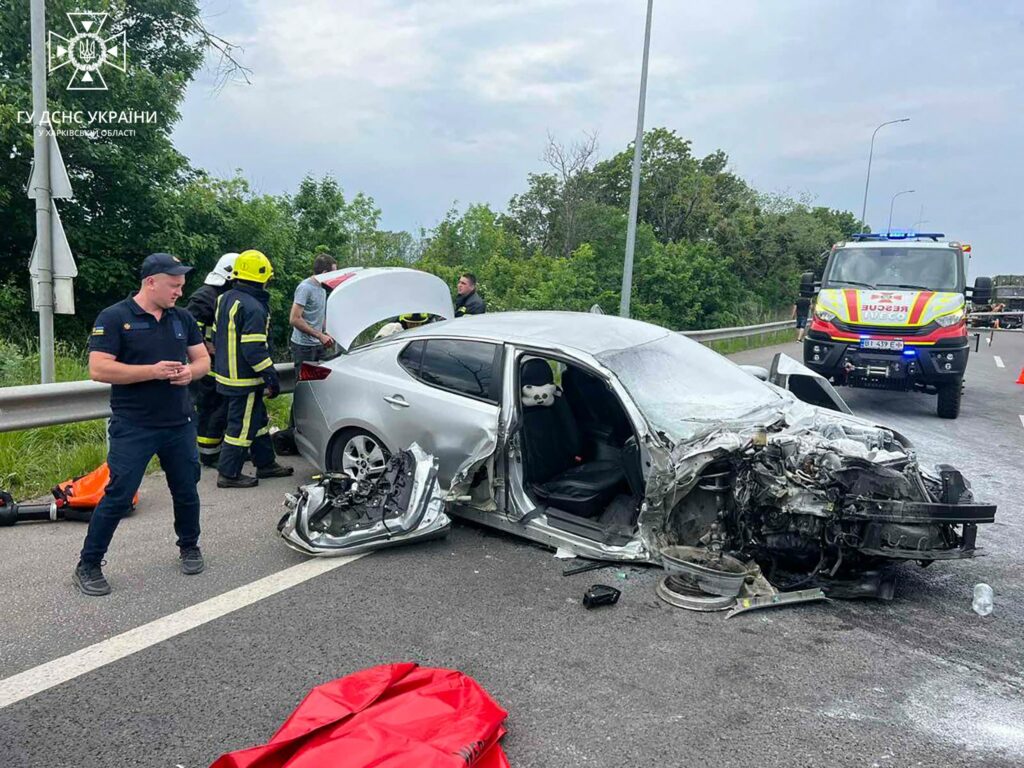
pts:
[89, 580]
[242, 481]
[274, 470]
[191, 561]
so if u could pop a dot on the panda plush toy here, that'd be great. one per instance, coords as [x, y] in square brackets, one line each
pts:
[538, 384]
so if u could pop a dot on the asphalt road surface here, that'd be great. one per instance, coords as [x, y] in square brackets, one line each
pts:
[172, 670]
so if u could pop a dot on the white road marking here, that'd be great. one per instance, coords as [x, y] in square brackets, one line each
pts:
[999, 361]
[52, 673]
[1022, 420]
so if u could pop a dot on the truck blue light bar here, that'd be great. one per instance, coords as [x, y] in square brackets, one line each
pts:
[883, 236]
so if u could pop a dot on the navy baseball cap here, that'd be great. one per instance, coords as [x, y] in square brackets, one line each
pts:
[163, 263]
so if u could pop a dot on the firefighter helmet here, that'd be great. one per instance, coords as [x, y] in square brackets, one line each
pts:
[222, 272]
[413, 319]
[253, 266]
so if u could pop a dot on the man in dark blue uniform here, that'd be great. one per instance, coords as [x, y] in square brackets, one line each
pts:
[149, 351]
[244, 371]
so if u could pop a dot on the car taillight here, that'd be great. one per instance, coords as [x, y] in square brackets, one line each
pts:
[313, 372]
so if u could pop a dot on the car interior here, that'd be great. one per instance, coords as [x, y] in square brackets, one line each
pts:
[581, 462]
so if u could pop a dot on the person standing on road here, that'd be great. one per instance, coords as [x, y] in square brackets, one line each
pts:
[244, 370]
[800, 312]
[468, 301]
[149, 351]
[211, 408]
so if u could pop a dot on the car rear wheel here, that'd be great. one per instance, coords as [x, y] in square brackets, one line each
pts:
[949, 399]
[358, 453]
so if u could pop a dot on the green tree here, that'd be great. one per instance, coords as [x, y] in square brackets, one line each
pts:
[119, 181]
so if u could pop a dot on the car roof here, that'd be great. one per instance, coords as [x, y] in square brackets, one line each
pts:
[582, 331]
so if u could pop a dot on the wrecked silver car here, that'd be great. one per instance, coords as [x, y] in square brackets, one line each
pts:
[617, 439]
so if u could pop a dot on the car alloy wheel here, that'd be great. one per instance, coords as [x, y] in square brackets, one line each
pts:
[363, 456]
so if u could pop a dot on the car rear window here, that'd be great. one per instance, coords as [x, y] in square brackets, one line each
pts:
[465, 367]
[409, 358]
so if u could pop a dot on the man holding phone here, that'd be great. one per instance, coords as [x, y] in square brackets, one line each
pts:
[149, 351]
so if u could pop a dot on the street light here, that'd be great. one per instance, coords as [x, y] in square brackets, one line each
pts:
[891, 204]
[864, 208]
[634, 190]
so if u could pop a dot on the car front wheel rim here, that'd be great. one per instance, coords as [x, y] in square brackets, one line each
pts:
[362, 457]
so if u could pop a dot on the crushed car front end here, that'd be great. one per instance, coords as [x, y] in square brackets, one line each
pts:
[813, 492]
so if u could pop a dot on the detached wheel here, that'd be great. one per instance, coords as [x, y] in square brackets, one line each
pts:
[359, 453]
[949, 399]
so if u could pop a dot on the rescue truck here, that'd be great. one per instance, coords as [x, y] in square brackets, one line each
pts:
[890, 313]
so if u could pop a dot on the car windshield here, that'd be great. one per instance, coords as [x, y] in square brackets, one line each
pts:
[683, 387]
[933, 269]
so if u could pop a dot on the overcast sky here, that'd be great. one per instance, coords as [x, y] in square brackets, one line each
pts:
[425, 104]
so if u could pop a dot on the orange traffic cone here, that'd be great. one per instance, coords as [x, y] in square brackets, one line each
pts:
[1020, 379]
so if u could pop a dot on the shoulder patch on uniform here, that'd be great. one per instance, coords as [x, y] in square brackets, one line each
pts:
[97, 330]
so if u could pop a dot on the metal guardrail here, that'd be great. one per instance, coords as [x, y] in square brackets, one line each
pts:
[45, 405]
[739, 332]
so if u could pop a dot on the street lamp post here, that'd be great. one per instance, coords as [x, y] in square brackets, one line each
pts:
[871, 153]
[634, 190]
[892, 202]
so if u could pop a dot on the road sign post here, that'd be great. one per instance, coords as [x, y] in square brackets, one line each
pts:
[52, 267]
[41, 193]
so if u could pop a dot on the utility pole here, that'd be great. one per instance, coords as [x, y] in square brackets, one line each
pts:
[41, 192]
[871, 153]
[634, 190]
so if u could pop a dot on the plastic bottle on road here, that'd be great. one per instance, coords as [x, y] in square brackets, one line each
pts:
[982, 603]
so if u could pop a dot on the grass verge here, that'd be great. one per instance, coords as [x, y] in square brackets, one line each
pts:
[731, 346]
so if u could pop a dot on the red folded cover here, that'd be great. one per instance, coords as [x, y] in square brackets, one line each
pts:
[385, 717]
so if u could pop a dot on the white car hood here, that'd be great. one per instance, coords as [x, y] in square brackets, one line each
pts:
[363, 296]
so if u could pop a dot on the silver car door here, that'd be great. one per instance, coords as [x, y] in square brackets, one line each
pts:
[337, 515]
[449, 401]
[807, 385]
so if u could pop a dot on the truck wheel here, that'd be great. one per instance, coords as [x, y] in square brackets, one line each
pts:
[949, 399]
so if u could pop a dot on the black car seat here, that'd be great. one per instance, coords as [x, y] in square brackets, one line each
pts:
[553, 450]
[596, 408]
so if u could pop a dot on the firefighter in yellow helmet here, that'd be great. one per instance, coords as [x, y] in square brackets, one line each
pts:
[244, 372]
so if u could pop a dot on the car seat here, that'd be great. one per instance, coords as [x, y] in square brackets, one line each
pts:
[555, 472]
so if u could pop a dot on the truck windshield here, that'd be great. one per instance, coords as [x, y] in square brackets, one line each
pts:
[933, 269]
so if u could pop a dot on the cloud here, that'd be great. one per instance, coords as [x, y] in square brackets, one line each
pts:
[420, 103]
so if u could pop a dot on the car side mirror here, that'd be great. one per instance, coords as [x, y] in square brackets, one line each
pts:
[982, 292]
[808, 287]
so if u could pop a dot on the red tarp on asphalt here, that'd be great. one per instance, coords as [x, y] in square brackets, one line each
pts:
[387, 716]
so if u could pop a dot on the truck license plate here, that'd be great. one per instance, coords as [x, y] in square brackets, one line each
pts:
[894, 345]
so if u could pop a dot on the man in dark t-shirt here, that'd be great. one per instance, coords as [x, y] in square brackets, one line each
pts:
[149, 351]
[800, 311]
